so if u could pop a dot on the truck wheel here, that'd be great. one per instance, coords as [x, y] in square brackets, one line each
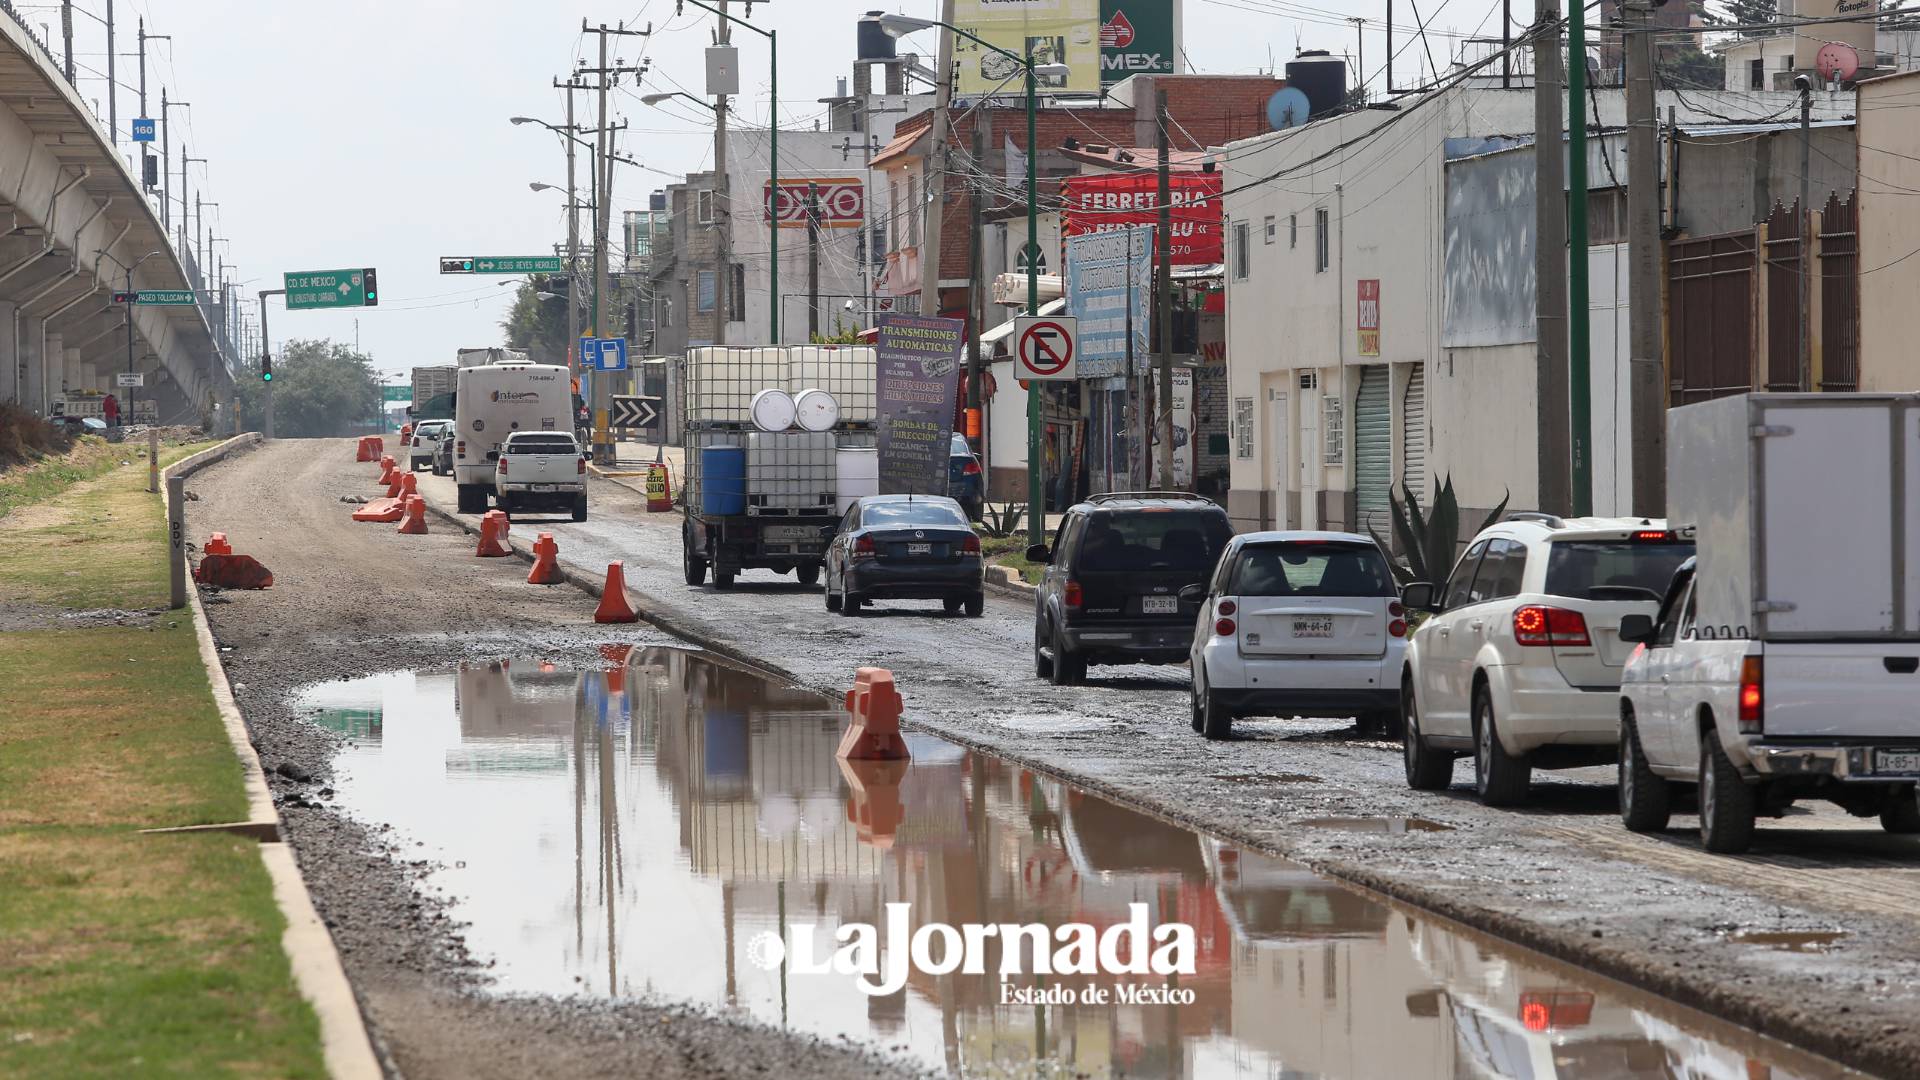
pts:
[580, 508]
[473, 499]
[1069, 669]
[1645, 798]
[1901, 815]
[1727, 803]
[1500, 778]
[1427, 769]
[694, 567]
[722, 576]
[1042, 663]
[808, 573]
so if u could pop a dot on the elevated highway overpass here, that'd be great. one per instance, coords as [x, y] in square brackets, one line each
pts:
[73, 217]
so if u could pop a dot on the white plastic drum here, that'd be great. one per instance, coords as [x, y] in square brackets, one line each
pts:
[856, 473]
[817, 409]
[772, 410]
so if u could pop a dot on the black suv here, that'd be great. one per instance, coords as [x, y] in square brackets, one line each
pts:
[1111, 594]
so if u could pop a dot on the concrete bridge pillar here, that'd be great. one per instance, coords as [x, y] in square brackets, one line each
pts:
[89, 375]
[12, 381]
[33, 355]
[76, 379]
[56, 365]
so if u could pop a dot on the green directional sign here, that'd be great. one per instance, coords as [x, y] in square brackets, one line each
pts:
[310, 289]
[164, 297]
[396, 393]
[501, 264]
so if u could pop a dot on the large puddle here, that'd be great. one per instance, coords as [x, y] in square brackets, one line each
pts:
[663, 823]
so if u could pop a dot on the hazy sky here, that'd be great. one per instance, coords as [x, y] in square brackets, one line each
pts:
[348, 133]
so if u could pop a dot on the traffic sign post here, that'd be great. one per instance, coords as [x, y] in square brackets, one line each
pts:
[396, 393]
[134, 379]
[636, 411]
[501, 264]
[156, 298]
[319, 289]
[1044, 347]
[605, 354]
[143, 128]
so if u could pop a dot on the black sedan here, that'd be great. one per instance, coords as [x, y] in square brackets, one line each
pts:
[904, 547]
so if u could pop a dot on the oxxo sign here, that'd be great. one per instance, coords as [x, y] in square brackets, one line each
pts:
[1044, 346]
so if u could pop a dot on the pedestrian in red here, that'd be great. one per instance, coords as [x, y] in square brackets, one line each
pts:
[111, 407]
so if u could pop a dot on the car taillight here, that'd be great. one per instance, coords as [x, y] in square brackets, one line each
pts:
[1395, 609]
[460, 447]
[1224, 627]
[1398, 628]
[1751, 698]
[1070, 596]
[503, 466]
[1652, 536]
[1536, 624]
[970, 546]
[1227, 607]
[416, 440]
[863, 548]
[1555, 1010]
[582, 463]
[971, 468]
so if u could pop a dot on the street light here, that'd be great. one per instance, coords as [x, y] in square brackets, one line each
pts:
[902, 25]
[655, 99]
[129, 318]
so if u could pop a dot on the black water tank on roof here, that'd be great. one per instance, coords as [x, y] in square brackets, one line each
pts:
[1322, 76]
[873, 43]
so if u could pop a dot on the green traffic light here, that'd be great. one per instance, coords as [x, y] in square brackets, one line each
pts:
[266, 376]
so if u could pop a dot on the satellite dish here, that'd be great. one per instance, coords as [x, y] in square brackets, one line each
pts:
[1288, 108]
[1836, 60]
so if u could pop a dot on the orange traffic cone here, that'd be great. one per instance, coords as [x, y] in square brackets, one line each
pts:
[217, 545]
[874, 733]
[546, 562]
[493, 535]
[415, 509]
[613, 601]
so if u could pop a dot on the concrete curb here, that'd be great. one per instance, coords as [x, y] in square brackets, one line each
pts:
[1006, 581]
[1598, 957]
[311, 955]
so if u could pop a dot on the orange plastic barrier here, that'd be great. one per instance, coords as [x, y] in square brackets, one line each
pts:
[217, 545]
[546, 562]
[613, 601]
[414, 514]
[493, 535]
[874, 805]
[874, 734]
[233, 572]
[383, 510]
[402, 485]
[387, 469]
[364, 452]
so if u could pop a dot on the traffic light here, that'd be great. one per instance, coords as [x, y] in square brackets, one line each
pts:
[266, 369]
[150, 171]
[373, 290]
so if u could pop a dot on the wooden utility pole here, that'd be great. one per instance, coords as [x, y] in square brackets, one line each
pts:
[935, 203]
[1646, 374]
[813, 260]
[976, 274]
[1163, 294]
[1555, 443]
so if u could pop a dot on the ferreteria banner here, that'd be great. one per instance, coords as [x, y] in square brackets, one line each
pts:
[919, 375]
[1126, 200]
[1051, 31]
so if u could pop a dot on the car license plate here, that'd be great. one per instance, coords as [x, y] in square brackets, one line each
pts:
[1313, 628]
[919, 549]
[1896, 761]
[543, 487]
[792, 532]
[1159, 605]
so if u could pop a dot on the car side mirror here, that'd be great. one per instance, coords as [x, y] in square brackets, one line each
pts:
[1419, 596]
[1193, 594]
[1038, 553]
[1636, 628]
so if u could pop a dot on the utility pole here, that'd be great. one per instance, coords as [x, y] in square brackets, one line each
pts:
[1805, 225]
[813, 257]
[66, 34]
[1579, 339]
[266, 352]
[113, 84]
[602, 227]
[936, 188]
[1359, 54]
[166, 157]
[1163, 295]
[722, 202]
[1645, 379]
[976, 273]
[1550, 265]
[573, 235]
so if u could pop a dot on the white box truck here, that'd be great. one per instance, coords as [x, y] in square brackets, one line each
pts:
[493, 401]
[1785, 662]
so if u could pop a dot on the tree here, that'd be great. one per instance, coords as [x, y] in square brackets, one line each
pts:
[1686, 67]
[1746, 12]
[320, 389]
[536, 325]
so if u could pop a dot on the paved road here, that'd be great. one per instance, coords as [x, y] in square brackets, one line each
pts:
[1561, 874]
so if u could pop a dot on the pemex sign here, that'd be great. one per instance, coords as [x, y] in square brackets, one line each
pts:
[1138, 37]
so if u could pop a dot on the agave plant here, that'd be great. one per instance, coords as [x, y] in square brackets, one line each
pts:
[1428, 540]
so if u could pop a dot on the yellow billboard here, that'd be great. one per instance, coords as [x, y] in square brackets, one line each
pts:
[1051, 31]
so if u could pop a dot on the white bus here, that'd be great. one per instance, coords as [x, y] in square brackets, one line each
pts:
[492, 402]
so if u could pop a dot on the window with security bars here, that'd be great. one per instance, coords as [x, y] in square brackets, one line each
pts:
[1243, 428]
[737, 295]
[1335, 430]
[1241, 256]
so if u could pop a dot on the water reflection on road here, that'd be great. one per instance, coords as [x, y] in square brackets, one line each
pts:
[638, 821]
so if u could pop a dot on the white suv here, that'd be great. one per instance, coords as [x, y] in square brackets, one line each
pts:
[1297, 622]
[1520, 662]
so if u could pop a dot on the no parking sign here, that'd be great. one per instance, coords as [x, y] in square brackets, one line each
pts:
[1044, 346]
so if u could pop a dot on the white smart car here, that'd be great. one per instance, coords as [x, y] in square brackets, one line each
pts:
[1520, 661]
[1297, 623]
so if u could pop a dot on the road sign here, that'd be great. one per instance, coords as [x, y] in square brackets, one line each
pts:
[164, 298]
[605, 354]
[310, 289]
[1045, 345]
[396, 393]
[123, 297]
[134, 379]
[635, 411]
[501, 264]
[143, 130]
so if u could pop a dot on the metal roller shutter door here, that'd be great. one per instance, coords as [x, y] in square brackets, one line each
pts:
[1413, 435]
[1373, 450]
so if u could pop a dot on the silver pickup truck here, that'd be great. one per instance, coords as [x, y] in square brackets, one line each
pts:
[541, 470]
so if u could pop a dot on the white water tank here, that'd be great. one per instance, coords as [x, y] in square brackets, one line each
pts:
[856, 474]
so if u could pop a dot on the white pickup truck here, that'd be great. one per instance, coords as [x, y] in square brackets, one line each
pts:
[541, 470]
[1784, 662]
